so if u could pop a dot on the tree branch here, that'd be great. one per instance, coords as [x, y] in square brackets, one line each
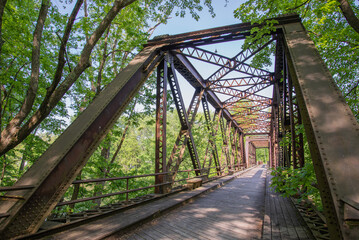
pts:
[300, 5]
[354, 87]
[14, 135]
[34, 79]
[2, 7]
[107, 170]
[349, 14]
[62, 51]
[102, 64]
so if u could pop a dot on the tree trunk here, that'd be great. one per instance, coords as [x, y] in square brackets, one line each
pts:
[105, 154]
[349, 14]
[3, 169]
[75, 193]
[13, 134]
[2, 7]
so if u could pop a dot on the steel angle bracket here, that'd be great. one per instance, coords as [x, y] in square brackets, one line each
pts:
[57, 168]
[332, 132]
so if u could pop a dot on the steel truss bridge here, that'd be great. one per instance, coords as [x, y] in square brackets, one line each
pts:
[304, 92]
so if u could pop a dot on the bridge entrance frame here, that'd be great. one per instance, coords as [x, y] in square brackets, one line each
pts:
[303, 92]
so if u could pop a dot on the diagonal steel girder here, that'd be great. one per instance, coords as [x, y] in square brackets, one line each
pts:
[188, 71]
[58, 167]
[212, 141]
[185, 137]
[331, 130]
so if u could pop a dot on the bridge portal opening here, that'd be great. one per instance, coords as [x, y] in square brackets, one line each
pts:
[239, 114]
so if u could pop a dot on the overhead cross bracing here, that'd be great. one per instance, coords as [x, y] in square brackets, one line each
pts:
[303, 92]
[239, 92]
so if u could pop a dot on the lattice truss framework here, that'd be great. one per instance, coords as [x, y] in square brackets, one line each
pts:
[304, 92]
[242, 93]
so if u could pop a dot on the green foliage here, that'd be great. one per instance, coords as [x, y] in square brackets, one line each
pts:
[262, 154]
[123, 39]
[299, 183]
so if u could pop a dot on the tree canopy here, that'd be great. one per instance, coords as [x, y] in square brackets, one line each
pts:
[56, 56]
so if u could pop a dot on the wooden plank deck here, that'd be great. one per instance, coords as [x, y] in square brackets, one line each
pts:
[281, 219]
[118, 221]
[245, 208]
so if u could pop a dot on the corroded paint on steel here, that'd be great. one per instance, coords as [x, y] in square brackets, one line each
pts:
[56, 169]
[331, 128]
[199, 37]
[161, 125]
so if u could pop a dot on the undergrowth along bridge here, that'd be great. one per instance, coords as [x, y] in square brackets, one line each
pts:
[304, 92]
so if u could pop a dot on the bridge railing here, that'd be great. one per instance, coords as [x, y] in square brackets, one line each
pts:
[177, 182]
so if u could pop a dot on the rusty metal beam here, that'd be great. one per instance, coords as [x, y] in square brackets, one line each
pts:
[227, 65]
[215, 35]
[237, 63]
[212, 138]
[332, 133]
[58, 167]
[161, 123]
[189, 72]
[185, 137]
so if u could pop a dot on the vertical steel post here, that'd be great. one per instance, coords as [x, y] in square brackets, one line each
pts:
[211, 146]
[243, 151]
[292, 125]
[225, 141]
[277, 98]
[230, 150]
[235, 149]
[161, 115]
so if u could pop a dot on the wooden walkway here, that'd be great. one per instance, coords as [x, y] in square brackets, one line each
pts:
[245, 208]
[281, 219]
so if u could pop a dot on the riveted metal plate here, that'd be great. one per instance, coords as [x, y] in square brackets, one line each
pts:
[332, 131]
[55, 170]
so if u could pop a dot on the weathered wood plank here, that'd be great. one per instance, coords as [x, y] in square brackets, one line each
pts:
[302, 231]
[287, 218]
[282, 223]
[189, 230]
[246, 208]
[274, 221]
[267, 230]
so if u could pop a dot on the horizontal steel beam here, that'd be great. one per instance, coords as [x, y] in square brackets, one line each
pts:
[217, 33]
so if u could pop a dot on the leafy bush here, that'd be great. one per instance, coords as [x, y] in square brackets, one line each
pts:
[299, 183]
